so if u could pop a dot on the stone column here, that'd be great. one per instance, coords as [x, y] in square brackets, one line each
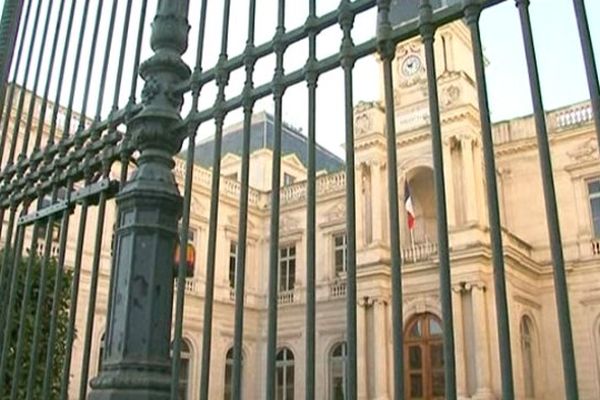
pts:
[482, 354]
[466, 148]
[359, 205]
[380, 349]
[459, 348]
[449, 177]
[377, 202]
[361, 351]
[137, 362]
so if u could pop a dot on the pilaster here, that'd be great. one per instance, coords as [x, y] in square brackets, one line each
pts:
[470, 195]
[482, 354]
[379, 349]
[449, 177]
[361, 344]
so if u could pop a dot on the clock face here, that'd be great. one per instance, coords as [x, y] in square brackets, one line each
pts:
[411, 65]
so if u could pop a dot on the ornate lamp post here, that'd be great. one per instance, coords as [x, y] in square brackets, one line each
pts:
[136, 361]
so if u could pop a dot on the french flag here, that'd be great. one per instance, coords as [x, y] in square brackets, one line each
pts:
[408, 206]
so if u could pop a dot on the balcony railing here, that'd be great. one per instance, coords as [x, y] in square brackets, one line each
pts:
[419, 252]
[285, 297]
[596, 247]
[337, 289]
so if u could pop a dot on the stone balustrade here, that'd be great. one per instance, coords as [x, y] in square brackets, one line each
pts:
[419, 252]
[337, 289]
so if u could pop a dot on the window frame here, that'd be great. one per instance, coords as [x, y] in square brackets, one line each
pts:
[340, 273]
[343, 359]
[233, 258]
[590, 197]
[286, 363]
[287, 259]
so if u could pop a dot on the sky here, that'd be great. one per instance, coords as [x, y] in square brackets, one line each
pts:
[556, 39]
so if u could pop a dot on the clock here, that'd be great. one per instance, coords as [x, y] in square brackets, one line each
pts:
[411, 65]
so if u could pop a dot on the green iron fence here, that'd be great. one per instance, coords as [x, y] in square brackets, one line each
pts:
[48, 179]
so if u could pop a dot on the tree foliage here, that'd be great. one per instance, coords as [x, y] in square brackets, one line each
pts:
[58, 352]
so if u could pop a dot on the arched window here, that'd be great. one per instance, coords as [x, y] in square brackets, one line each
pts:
[337, 371]
[285, 374]
[527, 346]
[424, 358]
[184, 370]
[228, 392]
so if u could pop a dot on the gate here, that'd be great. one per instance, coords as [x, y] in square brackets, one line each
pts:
[88, 193]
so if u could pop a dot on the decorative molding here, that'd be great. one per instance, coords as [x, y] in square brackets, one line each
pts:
[586, 151]
[527, 302]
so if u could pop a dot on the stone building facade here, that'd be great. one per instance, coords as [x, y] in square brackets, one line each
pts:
[533, 320]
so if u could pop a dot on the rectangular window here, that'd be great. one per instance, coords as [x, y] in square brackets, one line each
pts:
[233, 249]
[287, 268]
[340, 251]
[233, 176]
[594, 196]
[288, 179]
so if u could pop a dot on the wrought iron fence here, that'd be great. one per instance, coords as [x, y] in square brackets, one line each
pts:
[50, 151]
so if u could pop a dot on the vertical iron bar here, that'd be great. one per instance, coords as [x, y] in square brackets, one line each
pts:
[41, 299]
[11, 91]
[347, 60]
[278, 91]
[9, 28]
[58, 277]
[311, 77]
[5, 260]
[109, 40]
[560, 280]
[21, 337]
[70, 336]
[138, 49]
[183, 239]
[387, 52]
[44, 104]
[112, 129]
[472, 14]
[590, 62]
[17, 124]
[61, 76]
[15, 262]
[89, 328]
[90, 65]
[427, 31]
[36, 80]
[75, 76]
[240, 272]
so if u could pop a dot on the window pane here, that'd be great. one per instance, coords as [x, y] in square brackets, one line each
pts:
[292, 251]
[434, 327]
[289, 383]
[594, 187]
[437, 383]
[414, 357]
[416, 386]
[437, 356]
[415, 330]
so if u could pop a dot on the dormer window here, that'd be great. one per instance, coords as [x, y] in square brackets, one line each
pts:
[288, 179]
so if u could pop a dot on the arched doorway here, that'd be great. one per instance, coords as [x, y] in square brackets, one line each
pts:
[420, 185]
[424, 358]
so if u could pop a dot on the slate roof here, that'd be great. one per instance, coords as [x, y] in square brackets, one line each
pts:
[261, 137]
[402, 11]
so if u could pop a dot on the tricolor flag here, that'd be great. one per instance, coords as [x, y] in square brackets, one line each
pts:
[408, 206]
